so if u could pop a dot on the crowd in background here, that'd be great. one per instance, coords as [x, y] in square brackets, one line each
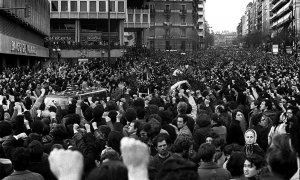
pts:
[213, 114]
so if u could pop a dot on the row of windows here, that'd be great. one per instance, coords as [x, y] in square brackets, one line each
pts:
[168, 7]
[64, 6]
[138, 18]
[169, 33]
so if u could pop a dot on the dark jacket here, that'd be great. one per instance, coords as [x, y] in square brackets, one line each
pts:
[202, 130]
[235, 133]
[210, 170]
[262, 136]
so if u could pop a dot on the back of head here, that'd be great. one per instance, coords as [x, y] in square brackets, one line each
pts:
[37, 127]
[235, 164]
[111, 170]
[5, 129]
[178, 169]
[182, 108]
[114, 140]
[282, 162]
[130, 114]
[20, 159]
[206, 152]
[36, 151]
[98, 111]
[203, 120]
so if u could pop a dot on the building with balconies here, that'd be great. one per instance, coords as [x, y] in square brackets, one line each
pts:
[79, 28]
[200, 17]
[266, 14]
[23, 27]
[282, 16]
[172, 25]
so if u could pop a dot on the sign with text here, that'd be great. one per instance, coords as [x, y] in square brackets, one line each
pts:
[275, 49]
[18, 47]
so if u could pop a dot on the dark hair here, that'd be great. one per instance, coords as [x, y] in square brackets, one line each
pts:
[182, 107]
[256, 160]
[283, 162]
[178, 169]
[140, 112]
[206, 152]
[184, 117]
[20, 159]
[295, 134]
[36, 151]
[59, 132]
[235, 164]
[256, 119]
[182, 144]
[166, 117]
[159, 138]
[111, 170]
[5, 129]
[235, 112]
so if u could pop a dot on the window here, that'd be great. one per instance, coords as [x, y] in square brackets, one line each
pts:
[145, 18]
[102, 6]
[121, 6]
[54, 6]
[74, 6]
[64, 5]
[92, 6]
[130, 17]
[183, 20]
[151, 44]
[183, 7]
[112, 6]
[167, 7]
[137, 18]
[183, 32]
[168, 45]
[83, 6]
[183, 45]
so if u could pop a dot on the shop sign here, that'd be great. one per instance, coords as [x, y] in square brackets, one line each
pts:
[18, 47]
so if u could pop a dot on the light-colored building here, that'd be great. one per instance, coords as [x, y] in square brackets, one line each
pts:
[79, 28]
[201, 21]
[266, 9]
[172, 25]
[225, 38]
[282, 15]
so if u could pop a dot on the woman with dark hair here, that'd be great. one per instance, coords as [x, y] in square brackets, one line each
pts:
[235, 133]
[218, 126]
[252, 166]
[262, 126]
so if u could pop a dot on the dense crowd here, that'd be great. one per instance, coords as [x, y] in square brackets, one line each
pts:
[213, 114]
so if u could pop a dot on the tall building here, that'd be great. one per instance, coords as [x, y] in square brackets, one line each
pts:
[282, 16]
[80, 28]
[172, 25]
[23, 27]
[266, 9]
[200, 20]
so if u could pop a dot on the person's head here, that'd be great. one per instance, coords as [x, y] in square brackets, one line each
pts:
[282, 162]
[36, 151]
[111, 170]
[134, 126]
[238, 115]
[20, 159]
[255, 105]
[130, 115]
[206, 152]
[160, 144]
[181, 108]
[182, 145]
[178, 169]
[289, 113]
[266, 104]
[5, 129]
[109, 154]
[181, 121]
[252, 165]
[250, 136]
[235, 164]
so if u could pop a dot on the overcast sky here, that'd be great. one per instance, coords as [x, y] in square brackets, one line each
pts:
[225, 14]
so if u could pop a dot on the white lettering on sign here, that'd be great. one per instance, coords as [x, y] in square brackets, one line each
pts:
[23, 48]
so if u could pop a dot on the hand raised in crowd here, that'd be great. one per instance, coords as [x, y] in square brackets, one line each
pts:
[66, 164]
[136, 157]
[87, 127]
[75, 128]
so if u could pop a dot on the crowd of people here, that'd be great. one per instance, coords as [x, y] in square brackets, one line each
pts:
[214, 114]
